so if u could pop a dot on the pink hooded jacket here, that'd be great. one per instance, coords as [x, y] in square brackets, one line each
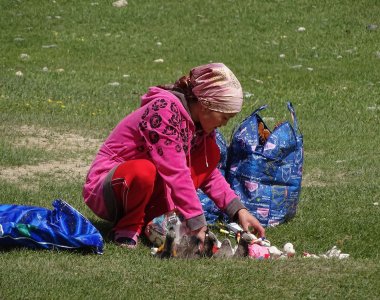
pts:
[162, 131]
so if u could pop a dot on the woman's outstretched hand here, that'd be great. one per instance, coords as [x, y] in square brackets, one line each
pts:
[247, 222]
[200, 234]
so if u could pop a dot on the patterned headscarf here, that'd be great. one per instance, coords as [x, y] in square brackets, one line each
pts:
[217, 88]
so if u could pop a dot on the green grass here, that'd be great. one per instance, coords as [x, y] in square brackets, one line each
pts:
[331, 73]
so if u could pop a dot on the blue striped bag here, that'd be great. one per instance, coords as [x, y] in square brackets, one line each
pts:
[265, 170]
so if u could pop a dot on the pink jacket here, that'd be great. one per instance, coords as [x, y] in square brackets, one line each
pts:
[162, 131]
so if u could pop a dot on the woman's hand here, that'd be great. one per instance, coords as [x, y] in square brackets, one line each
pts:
[246, 220]
[200, 234]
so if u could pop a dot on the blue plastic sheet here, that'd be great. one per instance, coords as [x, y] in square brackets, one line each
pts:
[38, 227]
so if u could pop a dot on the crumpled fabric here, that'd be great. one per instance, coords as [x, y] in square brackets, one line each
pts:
[35, 227]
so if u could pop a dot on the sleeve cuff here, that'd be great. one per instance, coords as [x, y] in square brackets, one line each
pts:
[233, 207]
[196, 222]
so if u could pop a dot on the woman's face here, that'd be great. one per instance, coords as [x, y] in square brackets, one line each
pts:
[210, 119]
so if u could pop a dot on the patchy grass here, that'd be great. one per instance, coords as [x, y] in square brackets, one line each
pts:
[72, 69]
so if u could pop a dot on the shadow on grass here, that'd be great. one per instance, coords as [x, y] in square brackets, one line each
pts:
[105, 229]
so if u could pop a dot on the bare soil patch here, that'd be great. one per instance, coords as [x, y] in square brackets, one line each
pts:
[49, 140]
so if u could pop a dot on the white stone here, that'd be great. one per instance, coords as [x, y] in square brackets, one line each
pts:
[248, 95]
[301, 29]
[19, 73]
[120, 3]
[159, 60]
[24, 56]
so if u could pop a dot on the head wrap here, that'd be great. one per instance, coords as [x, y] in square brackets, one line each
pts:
[217, 88]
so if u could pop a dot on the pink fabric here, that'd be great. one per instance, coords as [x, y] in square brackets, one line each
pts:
[160, 131]
[217, 88]
[259, 252]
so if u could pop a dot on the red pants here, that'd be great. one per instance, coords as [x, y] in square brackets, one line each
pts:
[140, 190]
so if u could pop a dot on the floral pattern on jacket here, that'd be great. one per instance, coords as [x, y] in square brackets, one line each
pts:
[162, 131]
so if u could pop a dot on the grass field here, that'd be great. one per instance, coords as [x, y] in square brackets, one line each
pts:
[70, 70]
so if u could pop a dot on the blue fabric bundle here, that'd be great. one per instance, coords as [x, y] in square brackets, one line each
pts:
[267, 175]
[37, 227]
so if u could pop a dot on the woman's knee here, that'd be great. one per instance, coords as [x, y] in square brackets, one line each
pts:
[145, 173]
[140, 173]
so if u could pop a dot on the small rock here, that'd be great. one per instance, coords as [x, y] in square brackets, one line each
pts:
[159, 44]
[49, 46]
[24, 56]
[376, 203]
[301, 29]
[126, 76]
[159, 60]
[282, 55]
[372, 27]
[120, 3]
[19, 74]
[310, 69]
[114, 83]
[45, 69]
[248, 95]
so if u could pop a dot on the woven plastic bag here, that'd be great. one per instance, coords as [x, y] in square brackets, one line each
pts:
[264, 168]
[63, 227]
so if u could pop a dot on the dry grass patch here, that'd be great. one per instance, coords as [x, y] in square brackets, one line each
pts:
[47, 139]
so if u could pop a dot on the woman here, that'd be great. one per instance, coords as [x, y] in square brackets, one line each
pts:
[157, 156]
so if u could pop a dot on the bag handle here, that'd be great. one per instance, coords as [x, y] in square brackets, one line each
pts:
[294, 117]
[259, 109]
[252, 114]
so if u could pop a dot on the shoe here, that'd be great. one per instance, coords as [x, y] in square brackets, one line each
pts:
[126, 242]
